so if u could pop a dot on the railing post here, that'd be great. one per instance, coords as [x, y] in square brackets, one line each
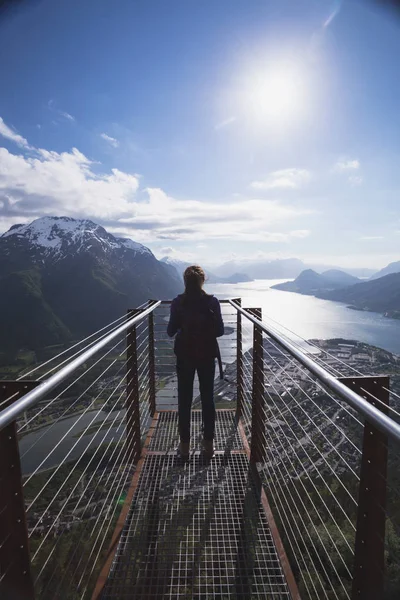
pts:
[258, 450]
[369, 555]
[152, 369]
[16, 580]
[239, 362]
[133, 435]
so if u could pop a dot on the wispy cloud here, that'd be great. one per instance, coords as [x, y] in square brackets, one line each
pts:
[62, 113]
[224, 123]
[9, 134]
[371, 238]
[347, 165]
[283, 179]
[66, 115]
[113, 141]
[334, 12]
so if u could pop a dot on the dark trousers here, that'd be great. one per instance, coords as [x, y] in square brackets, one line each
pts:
[206, 373]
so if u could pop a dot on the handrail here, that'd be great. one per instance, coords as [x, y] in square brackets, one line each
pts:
[373, 414]
[10, 414]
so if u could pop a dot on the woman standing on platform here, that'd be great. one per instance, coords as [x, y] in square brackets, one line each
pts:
[197, 322]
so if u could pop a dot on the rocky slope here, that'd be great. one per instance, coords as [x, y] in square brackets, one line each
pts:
[62, 278]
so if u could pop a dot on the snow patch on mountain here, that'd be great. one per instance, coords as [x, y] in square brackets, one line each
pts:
[57, 234]
[131, 245]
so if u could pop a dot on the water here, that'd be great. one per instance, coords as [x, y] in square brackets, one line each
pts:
[46, 444]
[310, 317]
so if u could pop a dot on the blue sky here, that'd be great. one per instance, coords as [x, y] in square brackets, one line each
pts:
[207, 130]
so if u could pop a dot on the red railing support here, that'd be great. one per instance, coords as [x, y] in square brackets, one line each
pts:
[133, 434]
[239, 362]
[369, 556]
[16, 582]
[257, 445]
[152, 368]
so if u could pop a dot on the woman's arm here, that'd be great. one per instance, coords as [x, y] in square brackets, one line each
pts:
[216, 308]
[173, 324]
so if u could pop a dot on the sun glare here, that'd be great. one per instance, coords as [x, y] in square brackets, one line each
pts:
[275, 94]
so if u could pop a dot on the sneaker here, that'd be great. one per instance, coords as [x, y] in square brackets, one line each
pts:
[208, 448]
[184, 450]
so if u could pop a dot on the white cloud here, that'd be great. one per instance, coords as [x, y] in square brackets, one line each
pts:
[68, 183]
[54, 183]
[192, 220]
[167, 251]
[371, 238]
[283, 179]
[114, 142]
[347, 165]
[175, 254]
[9, 134]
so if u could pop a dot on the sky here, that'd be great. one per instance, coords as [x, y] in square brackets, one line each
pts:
[209, 131]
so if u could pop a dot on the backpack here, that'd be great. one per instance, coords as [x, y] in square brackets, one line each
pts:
[197, 340]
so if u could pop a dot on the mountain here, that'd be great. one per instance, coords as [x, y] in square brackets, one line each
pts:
[380, 295]
[339, 278]
[312, 283]
[180, 267]
[62, 278]
[393, 267]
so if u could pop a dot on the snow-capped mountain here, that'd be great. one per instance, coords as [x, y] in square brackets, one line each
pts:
[61, 278]
[58, 236]
[178, 265]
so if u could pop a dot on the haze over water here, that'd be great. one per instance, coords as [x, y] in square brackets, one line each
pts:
[310, 317]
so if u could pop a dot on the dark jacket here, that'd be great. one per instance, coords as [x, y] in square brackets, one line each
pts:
[199, 302]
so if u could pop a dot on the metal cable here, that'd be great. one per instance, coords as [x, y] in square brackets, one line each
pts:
[79, 460]
[71, 384]
[48, 429]
[75, 345]
[64, 436]
[314, 465]
[78, 482]
[126, 449]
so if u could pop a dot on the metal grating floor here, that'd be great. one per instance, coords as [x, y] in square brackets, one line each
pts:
[166, 437]
[196, 530]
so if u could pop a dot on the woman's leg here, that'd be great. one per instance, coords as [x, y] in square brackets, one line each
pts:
[206, 373]
[185, 372]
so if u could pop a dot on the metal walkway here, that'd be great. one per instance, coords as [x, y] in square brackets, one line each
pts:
[196, 529]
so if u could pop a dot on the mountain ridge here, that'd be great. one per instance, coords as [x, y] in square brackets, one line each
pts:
[310, 282]
[72, 277]
[378, 295]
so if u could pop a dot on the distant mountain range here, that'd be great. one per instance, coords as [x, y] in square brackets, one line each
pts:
[312, 283]
[393, 267]
[62, 278]
[279, 268]
[378, 295]
[180, 267]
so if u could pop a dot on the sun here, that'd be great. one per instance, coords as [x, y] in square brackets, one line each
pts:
[275, 94]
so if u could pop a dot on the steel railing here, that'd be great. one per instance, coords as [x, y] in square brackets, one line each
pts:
[331, 477]
[322, 466]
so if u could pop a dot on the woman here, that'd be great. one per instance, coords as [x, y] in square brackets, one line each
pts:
[197, 321]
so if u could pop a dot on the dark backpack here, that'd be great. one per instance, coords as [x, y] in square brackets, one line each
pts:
[197, 338]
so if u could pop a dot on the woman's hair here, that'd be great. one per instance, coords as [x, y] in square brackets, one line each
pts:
[194, 278]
